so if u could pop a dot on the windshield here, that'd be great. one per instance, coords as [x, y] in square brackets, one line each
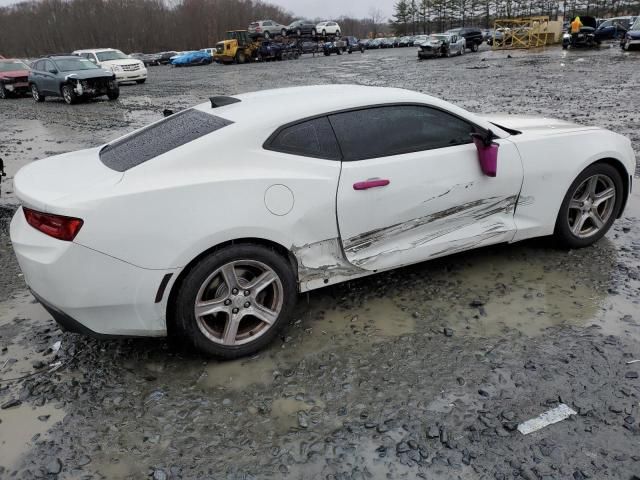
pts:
[111, 55]
[72, 64]
[636, 24]
[12, 66]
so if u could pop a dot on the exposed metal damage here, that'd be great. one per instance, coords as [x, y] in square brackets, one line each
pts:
[456, 217]
[324, 261]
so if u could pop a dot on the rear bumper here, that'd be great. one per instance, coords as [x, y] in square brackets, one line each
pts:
[88, 291]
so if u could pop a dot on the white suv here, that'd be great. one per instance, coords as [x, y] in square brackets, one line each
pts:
[126, 69]
[328, 28]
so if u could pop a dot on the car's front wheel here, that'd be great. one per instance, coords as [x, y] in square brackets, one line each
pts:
[474, 47]
[590, 206]
[113, 93]
[69, 95]
[235, 300]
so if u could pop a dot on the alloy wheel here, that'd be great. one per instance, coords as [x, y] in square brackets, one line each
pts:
[239, 302]
[35, 93]
[591, 206]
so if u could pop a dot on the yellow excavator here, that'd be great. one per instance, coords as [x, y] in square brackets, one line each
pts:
[237, 47]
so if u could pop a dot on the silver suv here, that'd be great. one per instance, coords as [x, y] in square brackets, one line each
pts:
[267, 29]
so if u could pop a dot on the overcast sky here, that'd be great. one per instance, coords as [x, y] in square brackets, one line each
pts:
[321, 8]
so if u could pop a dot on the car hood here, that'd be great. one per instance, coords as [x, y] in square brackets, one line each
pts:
[15, 74]
[44, 183]
[85, 74]
[122, 61]
[534, 125]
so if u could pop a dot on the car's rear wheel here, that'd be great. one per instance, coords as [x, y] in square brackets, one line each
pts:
[69, 95]
[35, 93]
[4, 93]
[314, 32]
[235, 300]
[590, 206]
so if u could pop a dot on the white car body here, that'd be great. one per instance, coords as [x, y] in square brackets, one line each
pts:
[143, 226]
[126, 69]
[328, 28]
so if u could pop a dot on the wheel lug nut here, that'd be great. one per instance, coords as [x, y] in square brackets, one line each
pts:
[234, 291]
[247, 305]
[247, 293]
[235, 310]
[227, 302]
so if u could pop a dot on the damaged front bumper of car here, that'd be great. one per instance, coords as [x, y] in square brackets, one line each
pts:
[93, 87]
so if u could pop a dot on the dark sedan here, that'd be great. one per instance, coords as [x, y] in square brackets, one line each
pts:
[302, 27]
[614, 28]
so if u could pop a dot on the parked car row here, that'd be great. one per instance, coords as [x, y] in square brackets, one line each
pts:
[270, 28]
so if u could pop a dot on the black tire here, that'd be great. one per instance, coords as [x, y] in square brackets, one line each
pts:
[324, 33]
[4, 93]
[314, 32]
[564, 46]
[283, 32]
[474, 47]
[563, 233]
[240, 57]
[35, 93]
[141, 81]
[113, 93]
[327, 53]
[298, 32]
[185, 300]
[339, 52]
[267, 35]
[69, 95]
[338, 33]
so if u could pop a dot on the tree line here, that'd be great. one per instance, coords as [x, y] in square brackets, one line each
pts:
[33, 28]
[426, 16]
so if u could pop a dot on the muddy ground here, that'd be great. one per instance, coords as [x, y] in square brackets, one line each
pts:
[419, 373]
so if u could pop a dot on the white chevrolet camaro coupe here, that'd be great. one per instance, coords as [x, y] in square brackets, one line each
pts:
[208, 223]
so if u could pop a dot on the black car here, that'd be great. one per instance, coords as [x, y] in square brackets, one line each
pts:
[613, 28]
[72, 78]
[309, 46]
[353, 44]
[164, 58]
[473, 36]
[302, 27]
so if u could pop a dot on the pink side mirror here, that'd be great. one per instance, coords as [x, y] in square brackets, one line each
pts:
[487, 155]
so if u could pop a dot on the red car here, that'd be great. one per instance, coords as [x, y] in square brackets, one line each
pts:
[14, 78]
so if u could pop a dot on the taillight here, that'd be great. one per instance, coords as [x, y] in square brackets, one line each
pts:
[56, 226]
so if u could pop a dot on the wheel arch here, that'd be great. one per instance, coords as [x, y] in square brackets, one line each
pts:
[626, 180]
[175, 286]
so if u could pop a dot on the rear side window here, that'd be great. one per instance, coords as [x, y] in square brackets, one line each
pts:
[312, 138]
[150, 142]
[397, 129]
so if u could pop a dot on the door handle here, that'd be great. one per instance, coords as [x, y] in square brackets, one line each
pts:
[373, 183]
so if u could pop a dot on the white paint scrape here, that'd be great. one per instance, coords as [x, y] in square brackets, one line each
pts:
[549, 417]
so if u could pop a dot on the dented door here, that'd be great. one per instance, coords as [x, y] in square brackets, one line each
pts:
[404, 209]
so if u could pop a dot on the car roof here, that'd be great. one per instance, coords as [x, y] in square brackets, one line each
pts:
[59, 57]
[95, 50]
[296, 103]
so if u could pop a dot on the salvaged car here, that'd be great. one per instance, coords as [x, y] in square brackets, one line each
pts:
[271, 50]
[301, 27]
[266, 29]
[613, 28]
[72, 78]
[632, 37]
[441, 45]
[585, 38]
[337, 182]
[334, 46]
[14, 78]
[190, 59]
[473, 36]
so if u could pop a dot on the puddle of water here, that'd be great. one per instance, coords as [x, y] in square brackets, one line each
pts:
[19, 426]
[238, 374]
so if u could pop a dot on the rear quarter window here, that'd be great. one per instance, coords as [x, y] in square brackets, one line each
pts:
[162, 137]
